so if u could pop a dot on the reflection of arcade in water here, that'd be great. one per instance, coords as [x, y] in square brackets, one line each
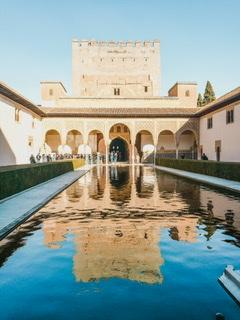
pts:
[117, 215]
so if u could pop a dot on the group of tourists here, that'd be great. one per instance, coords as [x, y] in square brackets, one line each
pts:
[115, 156]
[90, 158]
[55, 157]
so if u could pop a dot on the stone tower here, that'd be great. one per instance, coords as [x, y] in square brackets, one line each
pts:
[115, 69]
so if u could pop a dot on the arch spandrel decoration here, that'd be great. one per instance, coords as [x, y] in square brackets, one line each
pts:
[166, 125]
[74, 125]
[191, 125]
[98, 125]
[53, 125]
[112, 123]
[145, 125]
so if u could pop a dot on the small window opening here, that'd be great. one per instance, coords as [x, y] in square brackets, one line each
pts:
[117, 91]
[230, 116]
[209, 123]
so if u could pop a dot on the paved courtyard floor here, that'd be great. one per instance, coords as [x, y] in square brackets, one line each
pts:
[218, 182]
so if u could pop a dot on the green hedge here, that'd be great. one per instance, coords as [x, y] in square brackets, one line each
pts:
[226, 170]
[17, 178]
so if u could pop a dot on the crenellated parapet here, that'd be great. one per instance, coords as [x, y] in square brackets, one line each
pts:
[116, 44]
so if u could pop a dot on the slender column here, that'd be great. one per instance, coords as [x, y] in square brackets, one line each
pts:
[176, 151]
[133, 140]
[154, 155]
[155, 143]
[106, 153]
[132, 155]
[177, 145]
[63, 137]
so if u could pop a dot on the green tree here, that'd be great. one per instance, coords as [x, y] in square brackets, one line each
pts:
[199, 100]
[209, 94]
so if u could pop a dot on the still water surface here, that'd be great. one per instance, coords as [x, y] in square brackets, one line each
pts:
[123, 243]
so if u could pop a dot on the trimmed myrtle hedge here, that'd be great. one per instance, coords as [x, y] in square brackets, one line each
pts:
[14, 179]
[225, 170]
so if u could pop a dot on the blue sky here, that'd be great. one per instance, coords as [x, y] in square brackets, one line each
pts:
[199, 38]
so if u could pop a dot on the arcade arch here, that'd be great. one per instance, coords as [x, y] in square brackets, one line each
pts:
[120, 145]
[74, 140]
[53, 140]
[166, 146]
[187, 145]
[145, 146]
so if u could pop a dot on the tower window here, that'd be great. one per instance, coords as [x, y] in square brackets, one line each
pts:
[117, 91]
[50, 92]
[209, 123]
[187, 93]
[230, 116]
[145, 89]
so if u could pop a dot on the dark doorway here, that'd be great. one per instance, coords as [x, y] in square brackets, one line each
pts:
[218, 152]
[120, 146]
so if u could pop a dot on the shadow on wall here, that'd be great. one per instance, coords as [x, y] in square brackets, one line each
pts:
[7, 157]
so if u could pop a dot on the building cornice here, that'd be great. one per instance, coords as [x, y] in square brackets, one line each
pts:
[230, 98]
[120, 112]
[14, 96]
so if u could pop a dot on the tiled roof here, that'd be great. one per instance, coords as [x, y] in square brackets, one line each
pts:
[226, 99]
[10, 93]
[119, 112]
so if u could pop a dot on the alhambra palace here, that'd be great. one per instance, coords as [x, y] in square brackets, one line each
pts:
[115, 105]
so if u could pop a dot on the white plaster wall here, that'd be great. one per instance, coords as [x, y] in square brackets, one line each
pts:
[229, 135]
[14, 136]
[221, 205]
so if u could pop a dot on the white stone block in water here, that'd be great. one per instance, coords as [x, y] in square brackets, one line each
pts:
[230, 280]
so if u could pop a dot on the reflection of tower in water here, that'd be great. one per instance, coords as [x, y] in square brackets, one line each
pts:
[112, 242]
[125, 250]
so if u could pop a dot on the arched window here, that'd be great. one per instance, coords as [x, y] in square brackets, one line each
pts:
[187, 93]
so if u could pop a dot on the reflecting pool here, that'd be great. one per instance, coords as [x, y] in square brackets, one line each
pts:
[123, 242]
